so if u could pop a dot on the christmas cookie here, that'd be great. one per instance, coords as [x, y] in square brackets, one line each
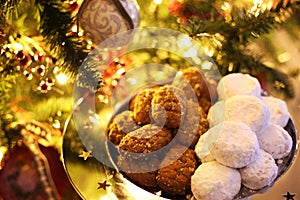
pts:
[276, 141]
[202, 150]
[174, 176]
[278, 111]
[193, 83]
[134, 160]
[236, 84]
[140, 170]
[260, 173]
[169, 106]
[249, 110]
[213, 181]
[120, 126]
[216, 113]
[141, 106]
[194, 125]
[146, 139]
[232, 144]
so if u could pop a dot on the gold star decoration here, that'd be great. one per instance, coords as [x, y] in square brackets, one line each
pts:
[102, 185]
[289, 196]
[85, 155]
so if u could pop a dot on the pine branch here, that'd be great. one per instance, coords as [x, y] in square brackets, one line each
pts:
[55, 25]
[9, 6]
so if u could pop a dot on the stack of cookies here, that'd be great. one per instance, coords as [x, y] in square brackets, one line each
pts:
[157, 135]
[196, 137]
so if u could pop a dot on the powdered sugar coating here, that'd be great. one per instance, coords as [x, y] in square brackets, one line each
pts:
[216, 113]
[202, 150]
[213, 181]
[259, 173]
[233, 144]
[276, 141]
[278, 110]
[249, 110]
[236, 84]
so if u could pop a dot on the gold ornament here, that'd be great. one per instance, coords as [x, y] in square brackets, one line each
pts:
[101, 19]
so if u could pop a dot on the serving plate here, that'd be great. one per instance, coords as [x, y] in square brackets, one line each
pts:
[100, 167]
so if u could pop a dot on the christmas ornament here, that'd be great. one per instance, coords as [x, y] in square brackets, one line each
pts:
[33, 171]
[103, 19]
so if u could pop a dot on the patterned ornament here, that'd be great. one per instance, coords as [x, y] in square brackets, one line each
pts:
[105, 18]
[33, 169]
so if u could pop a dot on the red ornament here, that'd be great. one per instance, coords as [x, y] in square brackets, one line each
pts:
[44, 87]
[73, 6]
[20, 178]
[25, 61]
[20, 55]
[50, 81]
[40, 70]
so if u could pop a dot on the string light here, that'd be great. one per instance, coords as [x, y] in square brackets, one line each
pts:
[74, 29]
[62, 78]
[157, 2]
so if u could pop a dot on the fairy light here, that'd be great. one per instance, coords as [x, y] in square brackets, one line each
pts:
[225, 6]
[55, 70]
[121, 71]
[17, 46]
[80, 33]
[258, 7]
[74, 29]
[157, 2]
[62, 78]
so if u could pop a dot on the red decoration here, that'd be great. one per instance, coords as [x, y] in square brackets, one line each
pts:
[73, 6]
[20, 177]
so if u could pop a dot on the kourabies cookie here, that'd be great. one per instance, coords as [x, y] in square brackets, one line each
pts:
[260, 173]
[214, 181]
[237, 84]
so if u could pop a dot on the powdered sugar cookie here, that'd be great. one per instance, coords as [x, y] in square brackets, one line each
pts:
[259, 173]
[249, 110]
[213, 181]
[202, 150]
[236, 84]
[232, 144]
[278, 110]
[276, 141]
[216, 113]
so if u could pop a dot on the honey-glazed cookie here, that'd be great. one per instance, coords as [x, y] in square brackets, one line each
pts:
[168, 106]
[175, 175]
[141, 106]
[134, 159]
[121, 125]
[194, 125]
[193, 78]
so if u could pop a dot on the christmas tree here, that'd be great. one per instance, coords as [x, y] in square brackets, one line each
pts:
[43, 44]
